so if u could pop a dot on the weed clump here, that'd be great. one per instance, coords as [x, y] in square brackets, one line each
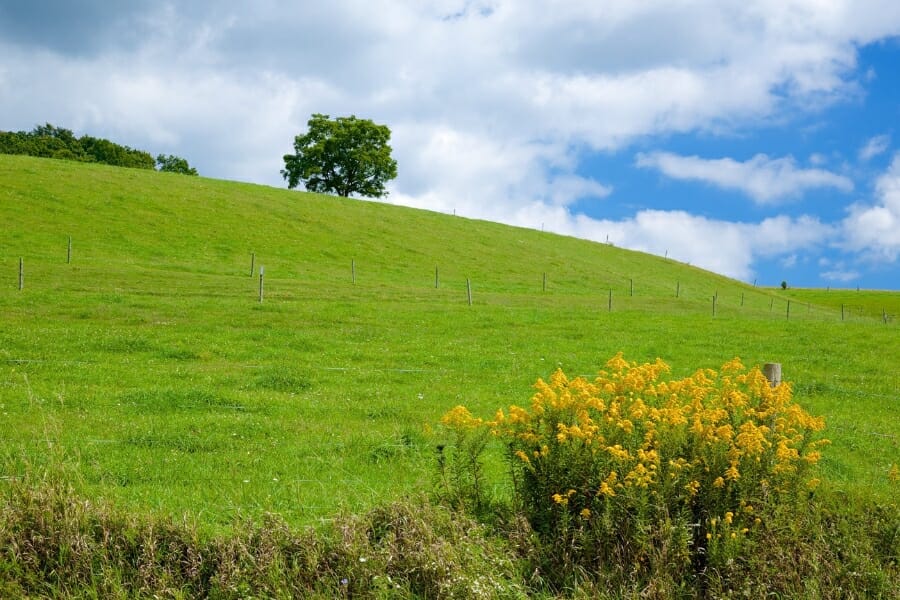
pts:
[56, 545]
[639, 481]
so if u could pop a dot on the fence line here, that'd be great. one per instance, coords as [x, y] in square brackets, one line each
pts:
[628, 284]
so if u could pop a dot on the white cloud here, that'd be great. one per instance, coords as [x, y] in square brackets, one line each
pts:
[492, 103]
[582, 72]
[443, 168]
[875, 229]
[874, 146]
[721, 246]
[842, 276]
[766, 180]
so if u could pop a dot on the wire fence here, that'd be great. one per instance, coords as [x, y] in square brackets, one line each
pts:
[612, 292]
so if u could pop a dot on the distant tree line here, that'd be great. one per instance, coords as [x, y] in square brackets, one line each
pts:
[49, 141]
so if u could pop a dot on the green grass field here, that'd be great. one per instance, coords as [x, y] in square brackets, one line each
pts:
[149, 364]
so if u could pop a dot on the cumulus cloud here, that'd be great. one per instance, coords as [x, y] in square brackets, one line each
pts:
[840, 276]
[493, 103]
[874, 146]
[766, 180]
[598, 74]
[721, 246]
[875, 229]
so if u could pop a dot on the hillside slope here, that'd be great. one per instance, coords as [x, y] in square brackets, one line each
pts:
[150, 365]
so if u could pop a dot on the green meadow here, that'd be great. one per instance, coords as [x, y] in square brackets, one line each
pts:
[146, 365]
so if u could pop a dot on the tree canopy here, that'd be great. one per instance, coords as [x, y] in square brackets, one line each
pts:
[50, 141]
[174, 164]
[344, 156]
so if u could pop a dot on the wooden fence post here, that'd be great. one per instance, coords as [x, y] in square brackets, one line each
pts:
[544, 287]
[677, 289]
[631, 287]
[772, 371]
[610, 300]
[353, 270]
[252, 261]
[788, 314]
[262, 270]
[21, 273]
[69, 251]
[469, 290]
[436, 279]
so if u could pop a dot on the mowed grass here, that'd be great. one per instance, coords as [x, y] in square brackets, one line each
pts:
[150, 366]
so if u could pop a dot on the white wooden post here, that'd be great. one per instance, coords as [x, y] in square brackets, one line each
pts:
[772, 371]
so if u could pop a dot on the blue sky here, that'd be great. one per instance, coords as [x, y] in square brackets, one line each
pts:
[757, 139]
[855, 138]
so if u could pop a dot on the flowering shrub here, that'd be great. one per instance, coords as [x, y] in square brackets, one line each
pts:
[638, 467]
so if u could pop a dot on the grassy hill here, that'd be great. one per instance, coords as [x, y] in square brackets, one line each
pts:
[148, 365]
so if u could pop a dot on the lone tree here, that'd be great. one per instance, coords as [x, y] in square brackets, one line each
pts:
[344, 156]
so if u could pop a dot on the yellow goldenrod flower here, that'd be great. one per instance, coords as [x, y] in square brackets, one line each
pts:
[618, 452]
[461, 418]
[732, 474]
[606, 490]
[719, 482]
[625, 425]
[518, 415]
[724, 433]
[585, 513]
[812, 457]
[693, 487]
[639, 476]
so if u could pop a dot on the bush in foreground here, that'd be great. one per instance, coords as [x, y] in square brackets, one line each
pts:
[665, 486]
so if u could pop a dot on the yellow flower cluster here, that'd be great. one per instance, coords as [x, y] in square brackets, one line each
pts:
[632, 432]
